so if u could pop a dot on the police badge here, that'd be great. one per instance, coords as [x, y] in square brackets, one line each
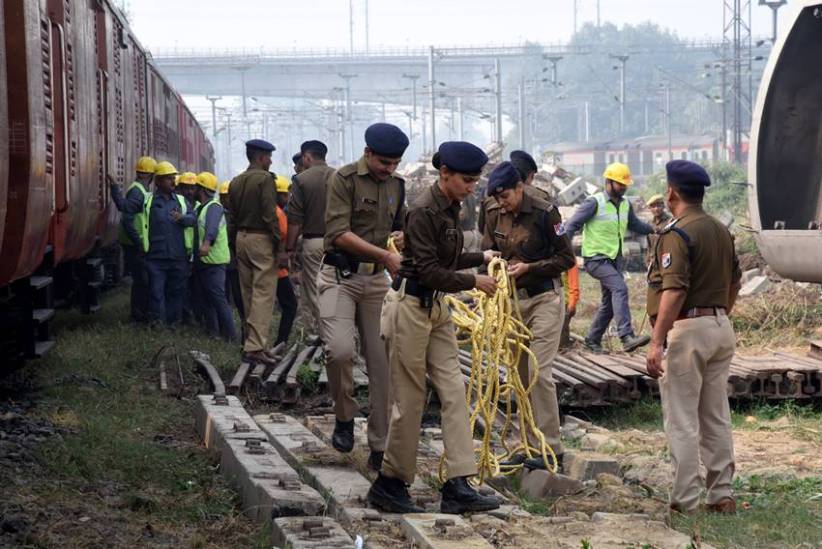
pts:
[666, 261]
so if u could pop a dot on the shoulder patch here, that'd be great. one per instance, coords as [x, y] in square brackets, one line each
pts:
[559, 228]
[666, 260]
[348, 169]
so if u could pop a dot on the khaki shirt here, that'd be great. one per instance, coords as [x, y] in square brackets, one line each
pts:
[652, 238]
[433, 244]
[359, 203]
[252, 199]
[309, 193]
[534, 235]
[706, 272]
[490, 201]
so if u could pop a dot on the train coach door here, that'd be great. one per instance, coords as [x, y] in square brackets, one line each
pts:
[61, 128]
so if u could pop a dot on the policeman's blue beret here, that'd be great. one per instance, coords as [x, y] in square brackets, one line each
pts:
[687, 174]
[524, 163]
[386, 140]
[461, 157]
[314, 145]
[260, 144]
[504, 176]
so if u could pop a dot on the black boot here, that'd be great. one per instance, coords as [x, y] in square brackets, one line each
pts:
[375, 460]
[343, 438]
[632, 343]
[538, 463]
[458, 497]
[514, 461]
[593, 347]
[391, 495]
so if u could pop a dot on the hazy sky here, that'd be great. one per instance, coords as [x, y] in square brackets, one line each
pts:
[322, 24]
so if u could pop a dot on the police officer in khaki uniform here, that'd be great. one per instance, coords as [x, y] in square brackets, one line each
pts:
[365, 204]
[661, 218]
[252, 200]
[527, 168]
[421, 338]
[530, 234]
[692, 286]
[306, 217]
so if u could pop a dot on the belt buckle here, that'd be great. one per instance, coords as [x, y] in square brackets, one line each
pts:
[366, 268]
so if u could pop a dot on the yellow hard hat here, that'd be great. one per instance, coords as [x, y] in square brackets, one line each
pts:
[283, 184]
[207, 180]
[656, 198]
[618, 172]
[224, 187]
[187, 178]
[164, 168]
[145, 164]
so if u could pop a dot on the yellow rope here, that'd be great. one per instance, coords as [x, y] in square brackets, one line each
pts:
[494, 327]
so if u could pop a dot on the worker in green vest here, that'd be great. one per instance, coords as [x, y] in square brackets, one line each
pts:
[131, 219]
[604, 219]
[211, 259]
[167, 238]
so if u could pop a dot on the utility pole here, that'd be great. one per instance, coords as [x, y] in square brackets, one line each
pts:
[413, 78]
[424, 131]
[242, 88]
[228, 156]
[213, 101]
[737, 38]
[366, 26]
[521, 114]
[774, 5]
[351, 27]
[432, 97]
[498, 102]
[349, 117]
[461, 120]
[668, 119]
[622, 60]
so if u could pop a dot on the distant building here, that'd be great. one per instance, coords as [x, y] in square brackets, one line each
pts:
[644, 155]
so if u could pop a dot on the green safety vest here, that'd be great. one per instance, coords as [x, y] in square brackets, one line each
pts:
[603, 234]
[122, 235]
[218, 254]
[188, 232]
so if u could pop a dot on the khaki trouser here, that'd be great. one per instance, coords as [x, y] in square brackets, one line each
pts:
[345, 306]
[257, 269]
[544, 315]
[420, 343]
[312, 260]
[695, 408]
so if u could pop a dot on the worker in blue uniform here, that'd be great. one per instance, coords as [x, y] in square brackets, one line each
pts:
[211, 258]
[167, 236]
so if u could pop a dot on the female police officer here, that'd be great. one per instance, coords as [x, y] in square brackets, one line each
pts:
[421, 339]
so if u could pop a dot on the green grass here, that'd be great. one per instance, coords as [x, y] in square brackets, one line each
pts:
[783, 512]
[127, 438]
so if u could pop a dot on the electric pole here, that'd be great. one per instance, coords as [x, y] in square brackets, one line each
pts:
[349, 117]
[774, 5]
[432, 98]
[413, 78]
[498, 100]
[213, 101]
[622, 60]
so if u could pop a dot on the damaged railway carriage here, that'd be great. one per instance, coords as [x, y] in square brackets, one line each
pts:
[80, 101]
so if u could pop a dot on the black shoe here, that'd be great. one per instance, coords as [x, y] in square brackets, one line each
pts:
[539, 463]
[391, 495]
[632, 342]
[343, 438]
[375, 460]
[593, 347]
[459, 497]
[514, 461]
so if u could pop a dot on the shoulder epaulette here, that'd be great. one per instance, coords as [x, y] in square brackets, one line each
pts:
[672, 228]
[348, 169]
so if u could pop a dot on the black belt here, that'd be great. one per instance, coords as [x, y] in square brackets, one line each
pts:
[313, 235]
[347, 265]
[536, 289]
[414, 288]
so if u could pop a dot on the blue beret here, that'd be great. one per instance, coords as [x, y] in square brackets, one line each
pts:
[260, 144]
[524, 163]
[461, 157]
[687, 174]
[386, 140]
[504, 176]
[314, 145]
